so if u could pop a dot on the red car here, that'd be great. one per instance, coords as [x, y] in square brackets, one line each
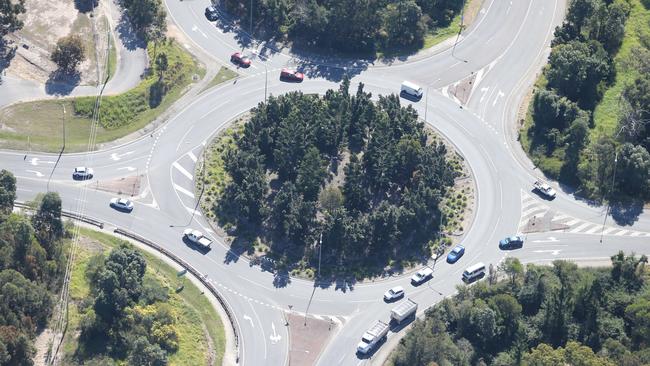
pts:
[240, 59]
[291, 75]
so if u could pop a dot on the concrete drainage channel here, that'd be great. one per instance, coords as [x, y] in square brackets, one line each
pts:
[182, 263]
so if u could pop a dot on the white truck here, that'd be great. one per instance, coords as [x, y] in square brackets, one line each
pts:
[403, 311]
[544, 189]
[197, 238]
[411, 89]
[372, 336]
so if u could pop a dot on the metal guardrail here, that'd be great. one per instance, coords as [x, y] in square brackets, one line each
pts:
[175, 258]
[196, 274]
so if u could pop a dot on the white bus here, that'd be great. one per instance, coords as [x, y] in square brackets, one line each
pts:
[474, 272]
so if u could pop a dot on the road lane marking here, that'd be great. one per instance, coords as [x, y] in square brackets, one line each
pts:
[192, 156]
[609, 230]
[246, 317]
[533, 210]
[182, 170]
[622, 232]
[594, 229]
[193, 211]
[580, 227]
[275, 337]
[38, 174]
[183, 190]
[572, 222]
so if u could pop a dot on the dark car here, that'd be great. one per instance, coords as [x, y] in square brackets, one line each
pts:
[515, 241]
[211, 13]
[240, 59]
[291, 75]
[455, 254]
[82, 173]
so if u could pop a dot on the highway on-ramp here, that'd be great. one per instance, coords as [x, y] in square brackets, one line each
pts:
[500, 54]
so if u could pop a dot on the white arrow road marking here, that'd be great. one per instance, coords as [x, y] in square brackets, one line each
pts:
[553, 252]
[275, 337]
[34, 161]
[38, 174]
[129, 168]
[246, 317]
[550, 240]
[499, 95]
[116, 157]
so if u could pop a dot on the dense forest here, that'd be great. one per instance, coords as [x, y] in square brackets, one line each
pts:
[350, 25]
[540, 316]
[125, 318]
[31, 267]
[367, 176]
[565, 140]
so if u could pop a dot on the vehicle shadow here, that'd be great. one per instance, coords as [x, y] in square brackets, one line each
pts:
[196, 247]
[395, 327]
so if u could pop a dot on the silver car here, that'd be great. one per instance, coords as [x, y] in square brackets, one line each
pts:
[82, 173]
[122, 204]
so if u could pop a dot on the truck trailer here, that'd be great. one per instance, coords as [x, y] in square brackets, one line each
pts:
[403, 311]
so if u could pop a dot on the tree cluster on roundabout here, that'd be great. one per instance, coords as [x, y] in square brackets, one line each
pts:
[366, 176]
[350, 25]
[540, 315]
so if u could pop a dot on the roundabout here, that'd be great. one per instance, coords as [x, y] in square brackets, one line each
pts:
[500, 54]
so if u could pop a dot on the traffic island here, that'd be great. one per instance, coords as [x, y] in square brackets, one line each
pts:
[308, 337]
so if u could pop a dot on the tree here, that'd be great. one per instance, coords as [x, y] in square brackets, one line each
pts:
[330, 199]
[403, 24]
[608, 24]
[47, 223]
[513, 268]
[544, 355]
[161, 64]
[10, 10]
[577, 68]
[7, 193]
[633, 176]
[68, 53]
[144, 353]
[311, 173]
[147, 17]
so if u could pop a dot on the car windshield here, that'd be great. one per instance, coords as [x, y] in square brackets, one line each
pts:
[456, 250]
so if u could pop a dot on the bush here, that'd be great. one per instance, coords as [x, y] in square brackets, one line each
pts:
[68, 53]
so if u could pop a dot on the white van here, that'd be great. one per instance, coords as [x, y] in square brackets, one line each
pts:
[411, 89]
[474, 272]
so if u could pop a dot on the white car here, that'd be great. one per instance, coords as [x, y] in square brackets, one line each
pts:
[422, 275]
[545, 189]
[394, 293]
[122, 204]
[82, 173]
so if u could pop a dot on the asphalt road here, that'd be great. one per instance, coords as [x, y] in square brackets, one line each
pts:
[503, 51]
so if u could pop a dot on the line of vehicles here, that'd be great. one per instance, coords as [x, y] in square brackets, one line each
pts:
[379, 331]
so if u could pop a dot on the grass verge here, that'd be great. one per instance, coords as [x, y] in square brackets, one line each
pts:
[223, 75]
[195, 313]
[606, 114]
[31, 125]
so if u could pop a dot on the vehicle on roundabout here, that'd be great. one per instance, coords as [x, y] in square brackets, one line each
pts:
[512, 242]
[473, 273]
[82, 173]
[455, 254]
[291, 75]
[394, 293]
[421, 276]
[240, 59]
[544, 189]
[211, 13]
[122, 204]
[411, 89]
[196, 237]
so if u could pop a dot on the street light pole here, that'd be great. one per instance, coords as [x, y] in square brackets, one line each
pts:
[426, 104]
[611, 187]
[320, 249]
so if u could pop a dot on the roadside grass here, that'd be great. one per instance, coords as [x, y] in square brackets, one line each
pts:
[82, 26]
[38, 125]
[112, 55]
[193, 310]
[607, 112]
[441, 34]
[223, 75]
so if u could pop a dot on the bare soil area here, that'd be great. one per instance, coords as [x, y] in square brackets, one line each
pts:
[46, 22]
[308, 337]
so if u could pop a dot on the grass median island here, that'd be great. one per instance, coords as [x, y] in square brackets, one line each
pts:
[199, 329]
[39, 125]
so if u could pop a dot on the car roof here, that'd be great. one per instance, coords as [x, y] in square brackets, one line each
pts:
[458, 248]
[397, 289]
[123, 200]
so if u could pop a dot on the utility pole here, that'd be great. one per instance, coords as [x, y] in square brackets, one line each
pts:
[251, 25]
[266, 81]
[426, 104]
[320, 249]
[63, 122]
[611, 187]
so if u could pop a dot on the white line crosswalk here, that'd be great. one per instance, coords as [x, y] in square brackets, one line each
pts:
[537, 216]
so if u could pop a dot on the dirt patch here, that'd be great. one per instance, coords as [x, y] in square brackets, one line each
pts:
[42, 347]
[463, 89]
[125, 186]
[471, 11]
[46, 22]
[307, 338]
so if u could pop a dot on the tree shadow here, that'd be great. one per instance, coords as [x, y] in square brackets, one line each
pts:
[128, 35]
[85, 6]
[627, 211]
[62, 83]
[7, 53]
